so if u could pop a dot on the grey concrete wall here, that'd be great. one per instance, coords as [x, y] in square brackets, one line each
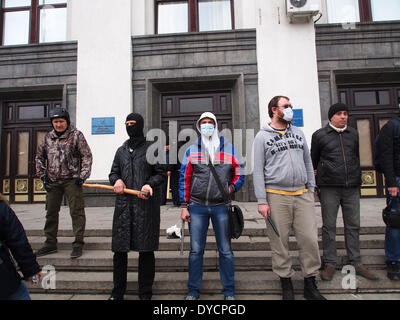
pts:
[38, 71]
[190, 61]
[366, 53]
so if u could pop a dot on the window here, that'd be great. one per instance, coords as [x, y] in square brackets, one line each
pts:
[341, 11]
[372, 98]
[33, 21]
[384, 10]
[193, 15]
[348, 11]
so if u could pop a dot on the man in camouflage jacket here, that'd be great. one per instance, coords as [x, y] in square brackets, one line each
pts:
[63, 162]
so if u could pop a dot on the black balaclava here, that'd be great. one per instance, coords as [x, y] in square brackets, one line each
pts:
[135, 132]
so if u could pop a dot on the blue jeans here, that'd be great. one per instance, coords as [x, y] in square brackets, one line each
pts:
[392, 238]
[22, 293]
[198, 226]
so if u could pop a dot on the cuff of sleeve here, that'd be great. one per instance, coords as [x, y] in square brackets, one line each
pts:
[262, 201]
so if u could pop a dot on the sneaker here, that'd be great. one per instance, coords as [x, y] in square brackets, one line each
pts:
[393, 271]
[229, 298]
[364, 272]
[76, 252]
[115, 298]
[327, 273]
[45, 251]
[192, 298]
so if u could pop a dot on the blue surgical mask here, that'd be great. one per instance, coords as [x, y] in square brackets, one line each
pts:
[207, 129]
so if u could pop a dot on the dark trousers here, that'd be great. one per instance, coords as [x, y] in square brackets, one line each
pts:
[392, 237]
[76, 204]
[349, 199]
[146, 274]
[175, 187]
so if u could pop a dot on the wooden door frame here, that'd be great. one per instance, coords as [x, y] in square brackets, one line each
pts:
[374, 113]
[33, 126]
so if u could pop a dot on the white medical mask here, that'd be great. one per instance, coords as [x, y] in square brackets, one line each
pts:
[288, 114]
[207, 129]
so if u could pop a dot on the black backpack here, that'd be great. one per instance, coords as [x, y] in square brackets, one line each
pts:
[377, 151]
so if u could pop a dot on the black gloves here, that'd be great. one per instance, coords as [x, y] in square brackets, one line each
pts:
[79, 181]
[46, 183]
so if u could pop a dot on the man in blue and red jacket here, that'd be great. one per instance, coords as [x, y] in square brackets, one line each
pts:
[202, 200]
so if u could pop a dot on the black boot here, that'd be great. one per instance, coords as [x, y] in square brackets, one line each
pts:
[310, 289]
[287, 289]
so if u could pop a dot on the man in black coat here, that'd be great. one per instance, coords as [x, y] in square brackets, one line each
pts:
[336, 159]
[388, 150]
[13, 239]
[136, 222]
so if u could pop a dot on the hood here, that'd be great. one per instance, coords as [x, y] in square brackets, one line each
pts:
[207, 115]
[269, 129]
[212, 144]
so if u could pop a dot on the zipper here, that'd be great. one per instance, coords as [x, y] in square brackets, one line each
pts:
[344, 158]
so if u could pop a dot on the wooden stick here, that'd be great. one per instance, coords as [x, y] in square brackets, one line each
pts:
[103, 186]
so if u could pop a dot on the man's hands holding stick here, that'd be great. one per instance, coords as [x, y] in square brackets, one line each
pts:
[145, 193]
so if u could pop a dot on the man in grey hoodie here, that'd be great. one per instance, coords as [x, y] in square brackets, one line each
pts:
[284, 185]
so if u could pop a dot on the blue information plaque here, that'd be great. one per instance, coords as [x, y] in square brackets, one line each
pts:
[103, 125]
[298, 120]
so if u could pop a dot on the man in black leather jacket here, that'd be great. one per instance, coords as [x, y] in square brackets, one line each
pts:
[136, 221]
[388, 149]
[336, 159]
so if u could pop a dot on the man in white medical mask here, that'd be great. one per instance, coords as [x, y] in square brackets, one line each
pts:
[202, 201]
[284, 183]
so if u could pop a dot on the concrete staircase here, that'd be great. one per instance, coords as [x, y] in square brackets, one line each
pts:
[91, 274]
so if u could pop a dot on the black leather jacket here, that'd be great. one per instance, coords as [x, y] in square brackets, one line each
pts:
[136, 222]
[336, 157]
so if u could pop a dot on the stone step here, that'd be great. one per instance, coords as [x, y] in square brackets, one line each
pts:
[246, 232]
[246, 282]
[244, 243]
[216, 297]
[101, 260]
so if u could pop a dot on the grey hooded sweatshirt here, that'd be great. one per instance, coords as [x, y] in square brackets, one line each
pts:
[281, 162]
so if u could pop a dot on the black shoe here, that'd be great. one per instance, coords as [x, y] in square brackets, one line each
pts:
[393, 271]
[76, 252]
[45, 250]
[144, 297]
[310, 289]
[115, 298]
[287, 289]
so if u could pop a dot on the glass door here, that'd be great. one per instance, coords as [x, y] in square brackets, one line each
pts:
[24, 127]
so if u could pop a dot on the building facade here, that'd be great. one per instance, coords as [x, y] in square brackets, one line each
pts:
[173, 60]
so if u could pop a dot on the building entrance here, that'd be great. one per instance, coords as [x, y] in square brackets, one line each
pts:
[24, 126]
[370, 109]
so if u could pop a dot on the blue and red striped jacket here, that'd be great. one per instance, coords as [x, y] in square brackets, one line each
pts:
[197, 182]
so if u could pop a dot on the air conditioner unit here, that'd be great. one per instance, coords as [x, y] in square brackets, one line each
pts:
[302, 11]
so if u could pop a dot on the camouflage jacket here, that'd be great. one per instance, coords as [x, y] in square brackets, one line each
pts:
[64, 157]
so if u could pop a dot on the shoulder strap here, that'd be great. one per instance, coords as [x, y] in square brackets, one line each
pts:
[221, 188]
